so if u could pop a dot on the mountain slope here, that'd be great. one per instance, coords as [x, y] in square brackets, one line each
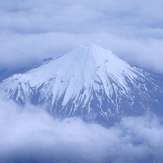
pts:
[89, 82]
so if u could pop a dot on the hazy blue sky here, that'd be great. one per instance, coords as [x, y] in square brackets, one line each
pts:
[31, 30]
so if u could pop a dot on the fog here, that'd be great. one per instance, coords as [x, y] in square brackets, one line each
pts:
[32, 135]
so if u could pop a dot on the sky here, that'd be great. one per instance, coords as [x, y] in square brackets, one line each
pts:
[33, 30]
[32, 135]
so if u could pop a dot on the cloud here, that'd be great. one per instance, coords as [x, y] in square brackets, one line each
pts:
[32, 135]
[33, 30]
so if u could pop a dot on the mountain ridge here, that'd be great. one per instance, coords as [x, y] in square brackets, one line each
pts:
[88, 81]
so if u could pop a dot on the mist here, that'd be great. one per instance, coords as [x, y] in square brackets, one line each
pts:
[32, 135]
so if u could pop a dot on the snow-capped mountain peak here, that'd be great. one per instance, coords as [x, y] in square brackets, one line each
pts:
[85, 63]
[83, 80]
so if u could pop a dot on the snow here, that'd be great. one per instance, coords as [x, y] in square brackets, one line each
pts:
[89, 67]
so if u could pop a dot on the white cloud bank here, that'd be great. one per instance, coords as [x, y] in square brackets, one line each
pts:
[32, 30]
[31, 135]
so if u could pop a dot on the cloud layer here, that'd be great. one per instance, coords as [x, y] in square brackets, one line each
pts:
[31, 135]
[32, 30]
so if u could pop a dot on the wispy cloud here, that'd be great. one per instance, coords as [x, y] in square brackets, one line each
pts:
[33, 30]
[33, 135]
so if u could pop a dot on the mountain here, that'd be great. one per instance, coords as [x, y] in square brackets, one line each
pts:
[90, 82]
